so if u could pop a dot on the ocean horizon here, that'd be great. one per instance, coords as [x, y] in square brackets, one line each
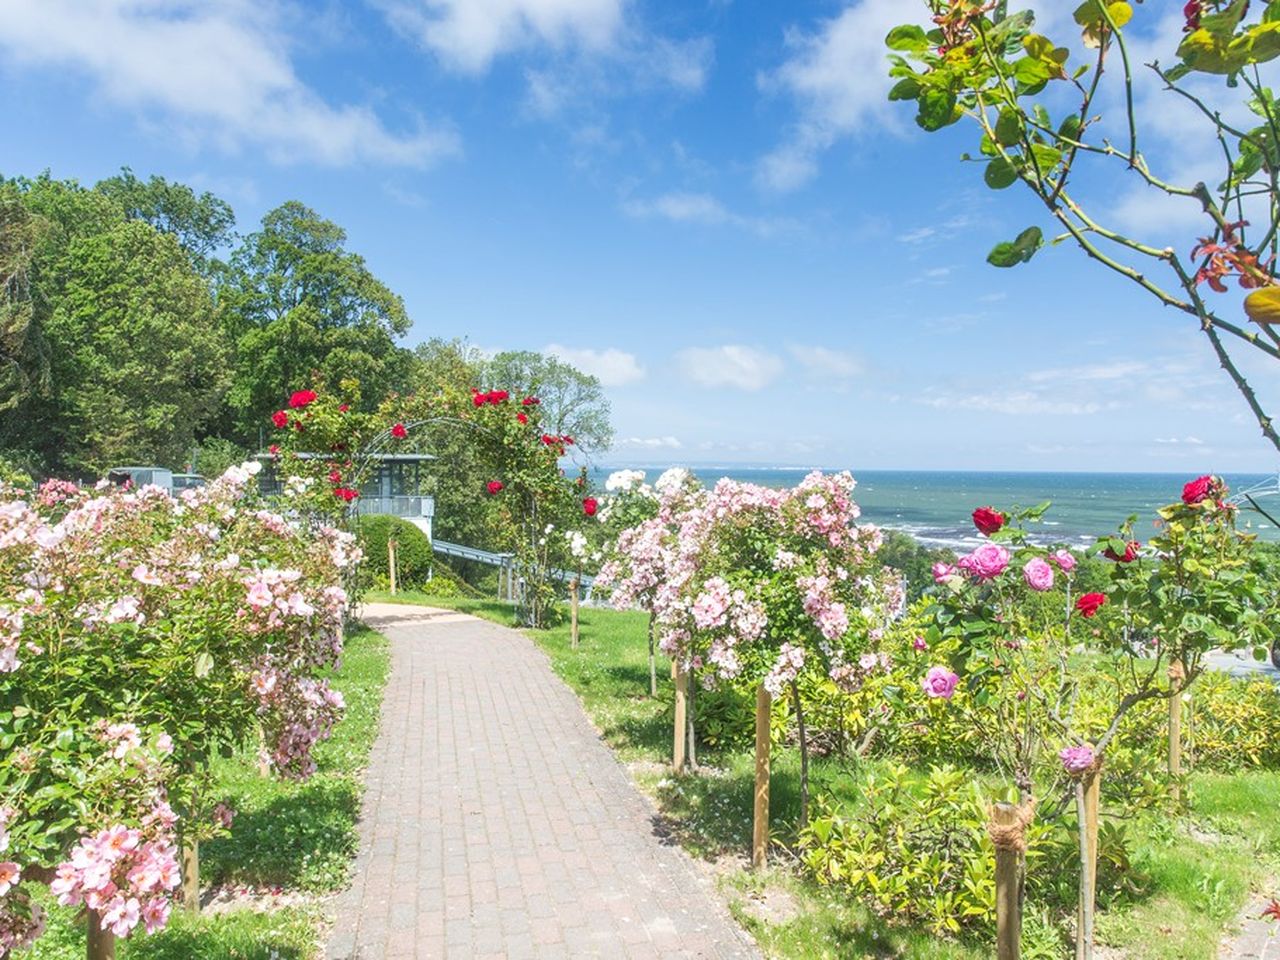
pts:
[934, 506]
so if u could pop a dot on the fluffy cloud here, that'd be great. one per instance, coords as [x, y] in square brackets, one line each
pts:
[732, 365]
[469, 34]
[217, 73]
[613, 368]
[838, 77]
[650, 443]
[825, 362]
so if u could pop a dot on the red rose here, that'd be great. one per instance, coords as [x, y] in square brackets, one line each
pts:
[280, 419]
[343, 408]
[988, 520]
[1090, 603]
[274, 449]
[494, 487]
[477, 398]
[335, 476]
[589, 506]
[548, 439]
[1192, 14]
[302, 398]
[399, 432]
[530, 401]
[522, 417]
[1130, 552]
[346, 493]
[497, 396]
[1198, 489]
[568, 440]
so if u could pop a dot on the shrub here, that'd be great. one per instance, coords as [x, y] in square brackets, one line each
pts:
[916, 850]
[413, 549]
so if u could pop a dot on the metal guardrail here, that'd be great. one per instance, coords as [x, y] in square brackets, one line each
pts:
[505, 561]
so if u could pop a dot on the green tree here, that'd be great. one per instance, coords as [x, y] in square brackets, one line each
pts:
[138, 362]
[299, 304]
[573, 402]
[201, 223]
[23, 364]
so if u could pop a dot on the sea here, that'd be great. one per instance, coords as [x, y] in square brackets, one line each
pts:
[935, 506]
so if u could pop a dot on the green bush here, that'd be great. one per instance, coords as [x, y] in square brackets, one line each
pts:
[413, 550]
[915, 849]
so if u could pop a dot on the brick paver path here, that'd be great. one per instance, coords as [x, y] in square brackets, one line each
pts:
[496, 824]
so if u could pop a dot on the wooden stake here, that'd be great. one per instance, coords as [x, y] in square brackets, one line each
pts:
[101, 943]
[653, 661]
[760, 831]
[1177, 674]
[680, 733]
[1008, 902]
[573, 613]
[391, 563]
[1087, 792]
[191, 877]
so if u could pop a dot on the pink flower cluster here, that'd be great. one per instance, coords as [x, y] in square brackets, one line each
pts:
[784, 670]
[985, 563]
[829, 615]
[297, 713]
[1077, 760]
[123, 874]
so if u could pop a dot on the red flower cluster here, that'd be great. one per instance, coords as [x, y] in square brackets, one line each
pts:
[1229, 257]
[494, 487]
[302, 398]
[1201, 488]
[280, 419]
[1130, 553]
[988, 520]
[399, 431]
[335, 477]
[522, 417]
[1090, 603]
[530, 402]
[345, 493]
[493, 397]
[590, 506]
[344, 407]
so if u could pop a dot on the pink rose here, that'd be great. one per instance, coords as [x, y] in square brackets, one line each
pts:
[1065, 559]
[1077, 760]
[939, 682]
[987, 562]
[1038, 574]
[941, 571]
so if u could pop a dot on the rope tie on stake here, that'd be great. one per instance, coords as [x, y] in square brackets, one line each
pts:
[1013, 835]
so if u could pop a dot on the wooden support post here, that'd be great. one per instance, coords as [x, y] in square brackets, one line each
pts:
[101, 943]
[1177, 677]
[760, 822]
[680, 737]
[653, 661]
[391, 564]
[191, 877]
[1087, 810]
[573, 612]
[1008, 902]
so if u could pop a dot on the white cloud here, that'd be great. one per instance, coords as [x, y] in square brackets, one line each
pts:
[732, 365]
[1015, 402]
[614, 368]
[217, 73]
[1178, 441]
[702, 208]
[468, 35]
[825, 362]
[839, 77]
[650, 443]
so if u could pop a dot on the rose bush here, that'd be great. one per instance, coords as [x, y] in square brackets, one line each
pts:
[140, 634]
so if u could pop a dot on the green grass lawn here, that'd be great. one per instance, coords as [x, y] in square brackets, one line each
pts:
[1192, 874]
[287, 836]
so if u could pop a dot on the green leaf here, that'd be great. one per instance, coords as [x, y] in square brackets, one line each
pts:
[1000, 174]
[1021, 250]
[908, 88]
[1071, 127]
[1009, 127]
[937, 109]
[907, 37]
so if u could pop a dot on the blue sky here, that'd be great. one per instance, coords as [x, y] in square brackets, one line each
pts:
[708, 203]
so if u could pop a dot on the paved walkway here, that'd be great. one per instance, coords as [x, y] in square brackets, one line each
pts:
[497, 824]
